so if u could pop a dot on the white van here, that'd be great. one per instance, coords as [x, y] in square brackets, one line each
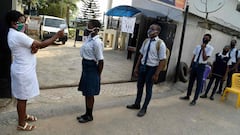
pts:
[50, 25]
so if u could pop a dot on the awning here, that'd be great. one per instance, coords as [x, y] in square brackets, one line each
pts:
[123, 10]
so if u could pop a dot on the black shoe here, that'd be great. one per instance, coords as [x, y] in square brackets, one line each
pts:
[219, 92]
[193, 103]
[203, 96]
[211, 98]
[141, 113]
[79, 117]
[133, 106]
[184, 98]
[85, 118]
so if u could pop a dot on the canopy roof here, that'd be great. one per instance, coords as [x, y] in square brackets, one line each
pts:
[123, 10]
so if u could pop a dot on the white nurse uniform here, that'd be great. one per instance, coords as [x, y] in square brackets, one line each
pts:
[23, 69]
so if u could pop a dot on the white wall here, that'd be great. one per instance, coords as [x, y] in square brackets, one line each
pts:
[193, 37]
[227, 15]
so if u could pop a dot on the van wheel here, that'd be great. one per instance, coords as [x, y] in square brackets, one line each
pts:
[183, 72]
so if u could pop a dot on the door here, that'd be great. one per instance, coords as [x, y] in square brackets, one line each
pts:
[5, 54]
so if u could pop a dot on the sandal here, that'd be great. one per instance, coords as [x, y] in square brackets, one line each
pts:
[26, 127]
[30, 118]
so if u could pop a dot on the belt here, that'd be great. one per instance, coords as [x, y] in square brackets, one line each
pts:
[201, 64]
[88, 60]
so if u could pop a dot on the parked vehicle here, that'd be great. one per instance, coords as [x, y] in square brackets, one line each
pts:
[50, 25]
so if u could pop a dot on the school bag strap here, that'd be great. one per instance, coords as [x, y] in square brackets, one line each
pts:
[158, 44]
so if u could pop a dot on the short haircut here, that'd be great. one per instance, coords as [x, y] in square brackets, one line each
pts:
[158, 28]
[95, 23]
[209, 35]
[12, 16]
[234, 40]
[227, 46]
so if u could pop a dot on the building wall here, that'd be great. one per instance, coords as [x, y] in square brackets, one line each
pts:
[193, 36]
[227, 15]
[5, 54]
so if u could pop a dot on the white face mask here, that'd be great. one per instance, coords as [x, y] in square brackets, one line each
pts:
[151, 32]
[93, 29]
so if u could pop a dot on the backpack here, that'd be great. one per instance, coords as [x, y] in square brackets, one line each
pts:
[158, 48]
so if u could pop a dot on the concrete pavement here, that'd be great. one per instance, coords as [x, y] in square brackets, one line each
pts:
[57, 108]
[167, 115]
[60, 66]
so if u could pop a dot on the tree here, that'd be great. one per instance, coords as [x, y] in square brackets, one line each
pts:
[90, 9]
[51, 7]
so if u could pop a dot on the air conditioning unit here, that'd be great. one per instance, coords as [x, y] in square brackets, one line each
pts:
[238, 6]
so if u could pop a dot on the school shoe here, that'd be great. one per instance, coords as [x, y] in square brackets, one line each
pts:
[192, 103]
[185, 98]
[79, 117]
[133, 106]
[219, 92]
[211, 98]
[85, 118]
[203, 96]
[142, 112]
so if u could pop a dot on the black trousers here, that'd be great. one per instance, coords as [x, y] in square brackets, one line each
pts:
[218, 79]
[196, 74]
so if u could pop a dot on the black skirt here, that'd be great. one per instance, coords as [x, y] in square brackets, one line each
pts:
[90, 81]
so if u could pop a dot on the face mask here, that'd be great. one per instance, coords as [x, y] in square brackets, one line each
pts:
[92, 31]
[232, 44]
[20, 27]
[205, 41]
[151, 32]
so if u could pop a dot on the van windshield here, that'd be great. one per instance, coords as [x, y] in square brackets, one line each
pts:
[53, 22]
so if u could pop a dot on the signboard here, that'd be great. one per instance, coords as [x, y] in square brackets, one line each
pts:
[128, 24]
[179, 4]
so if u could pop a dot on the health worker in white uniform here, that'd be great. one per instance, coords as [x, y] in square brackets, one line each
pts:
[23, 69]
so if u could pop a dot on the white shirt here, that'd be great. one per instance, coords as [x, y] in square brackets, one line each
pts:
[154, 56]
[92, 49]
[233, 55]
[23, 69]
[208, 49]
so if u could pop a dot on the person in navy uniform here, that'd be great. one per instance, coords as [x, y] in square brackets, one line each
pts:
[234, 59]
[201, 54]
[92, 66]
[150, 62]
[219, 71]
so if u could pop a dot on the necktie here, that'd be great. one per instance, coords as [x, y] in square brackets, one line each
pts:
[199, 56]
[145, 60]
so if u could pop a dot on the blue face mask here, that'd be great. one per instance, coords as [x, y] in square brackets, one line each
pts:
[20, 27]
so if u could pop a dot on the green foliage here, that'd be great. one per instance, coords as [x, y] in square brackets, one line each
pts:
[52, 7]
[72, 33]
[53, 10]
